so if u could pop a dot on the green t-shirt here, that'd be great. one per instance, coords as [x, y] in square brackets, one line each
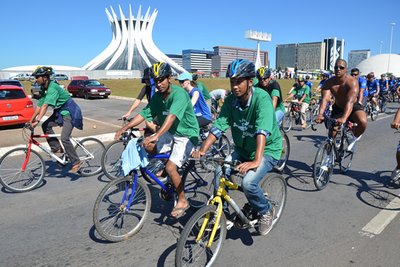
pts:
[300, 91]
[273, 90]
[55, 96]
[178, 103]
[244, 123]
[204, 90]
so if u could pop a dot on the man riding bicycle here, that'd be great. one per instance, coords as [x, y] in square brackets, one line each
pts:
[373, 90]
[249, 112]
[66, 113]
[345, 90]
[179, 129]
[302, 93]
[272, 87]
[362, 85]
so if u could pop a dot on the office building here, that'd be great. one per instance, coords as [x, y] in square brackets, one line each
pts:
[309, 56]
[356, 56]
[197, 60]
[223, 55]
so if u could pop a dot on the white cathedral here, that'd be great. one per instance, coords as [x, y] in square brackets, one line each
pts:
[132, 46]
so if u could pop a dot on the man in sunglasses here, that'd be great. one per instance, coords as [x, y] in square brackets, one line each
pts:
[345, 89]
[373, 89]
[362, 84]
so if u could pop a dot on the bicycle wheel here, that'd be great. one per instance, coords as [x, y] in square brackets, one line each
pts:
[13, 178]
[287, 122]
[221, 148]
[374, 114]
[198, 185]
[314, 116]
[345, 157]
[111, 159]
[285, 153]
[275, 190]
[323, 166]
[192, 249]
[309, 117]
[113, 219]
[90, 164]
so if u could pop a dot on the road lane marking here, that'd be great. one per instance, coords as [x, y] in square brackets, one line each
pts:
[102, 122]
[382, 219]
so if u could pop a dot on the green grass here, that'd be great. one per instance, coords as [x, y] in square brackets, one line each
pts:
[132, 87]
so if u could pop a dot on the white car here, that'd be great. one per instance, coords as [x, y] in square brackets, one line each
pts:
[22, 77]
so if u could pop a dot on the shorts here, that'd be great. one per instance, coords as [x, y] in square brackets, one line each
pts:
[337, 112]
[180, 147]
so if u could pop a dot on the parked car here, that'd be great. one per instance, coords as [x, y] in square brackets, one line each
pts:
[11, 82]
[22, 77]
[80, 77]
[88, 89]
[15, 106]
[35, 90]
[60, 77]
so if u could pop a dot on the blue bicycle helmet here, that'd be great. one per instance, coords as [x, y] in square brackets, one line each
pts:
[241, 68]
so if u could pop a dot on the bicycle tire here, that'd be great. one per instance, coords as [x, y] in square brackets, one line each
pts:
[309, 117]
[187, 245]
[112, 220]
[13, 179]
[345, 157]
[111, 159]
[323, 165]
[275, 190]
[198, 186]
[280, 166]
[287, 122]
[90, 166]
[374, 115]
[221, 148]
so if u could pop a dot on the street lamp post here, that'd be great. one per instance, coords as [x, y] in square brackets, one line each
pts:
[380, 47]
[390, 45]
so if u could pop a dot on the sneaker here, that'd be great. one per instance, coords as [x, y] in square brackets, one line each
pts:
[395, 175]
[377, 109]
[352, 142]
[265, 222]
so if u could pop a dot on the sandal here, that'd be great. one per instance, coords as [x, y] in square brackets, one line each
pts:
[75, 168]
[179, 212]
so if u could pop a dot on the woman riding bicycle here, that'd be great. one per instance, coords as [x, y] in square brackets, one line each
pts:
[250, 114]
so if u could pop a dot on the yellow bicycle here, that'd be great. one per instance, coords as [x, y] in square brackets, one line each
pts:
[201, 240]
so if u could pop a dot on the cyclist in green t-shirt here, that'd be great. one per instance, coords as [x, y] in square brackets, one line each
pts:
[302, 93]
[250, 114]
[266, 82]
[66, 113]
[179, 129]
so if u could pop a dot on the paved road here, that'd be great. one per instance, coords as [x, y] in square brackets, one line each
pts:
[353, 222]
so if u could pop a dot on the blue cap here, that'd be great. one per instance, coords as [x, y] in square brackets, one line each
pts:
[185, 76]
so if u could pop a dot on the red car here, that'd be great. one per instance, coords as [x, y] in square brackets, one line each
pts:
[88, 89]
[15, 106]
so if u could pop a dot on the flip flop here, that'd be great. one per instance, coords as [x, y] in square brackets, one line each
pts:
[179, 212]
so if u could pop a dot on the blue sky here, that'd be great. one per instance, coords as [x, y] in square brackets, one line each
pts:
[71, 32]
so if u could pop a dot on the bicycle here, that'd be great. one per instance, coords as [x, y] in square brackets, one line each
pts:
[382, 101]
[332, 151]
[122, 205]
[221, 148]
[294, 114]
[280, 166]
[371, 110]
[22, 169]
[202, 238]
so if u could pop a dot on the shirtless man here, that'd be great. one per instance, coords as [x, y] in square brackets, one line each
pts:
[345, 90]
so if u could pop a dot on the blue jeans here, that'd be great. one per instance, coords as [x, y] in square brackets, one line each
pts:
[251, 181]
[279, 116]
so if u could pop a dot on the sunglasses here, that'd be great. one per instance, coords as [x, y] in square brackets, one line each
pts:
[354, 74]
[339, 67]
